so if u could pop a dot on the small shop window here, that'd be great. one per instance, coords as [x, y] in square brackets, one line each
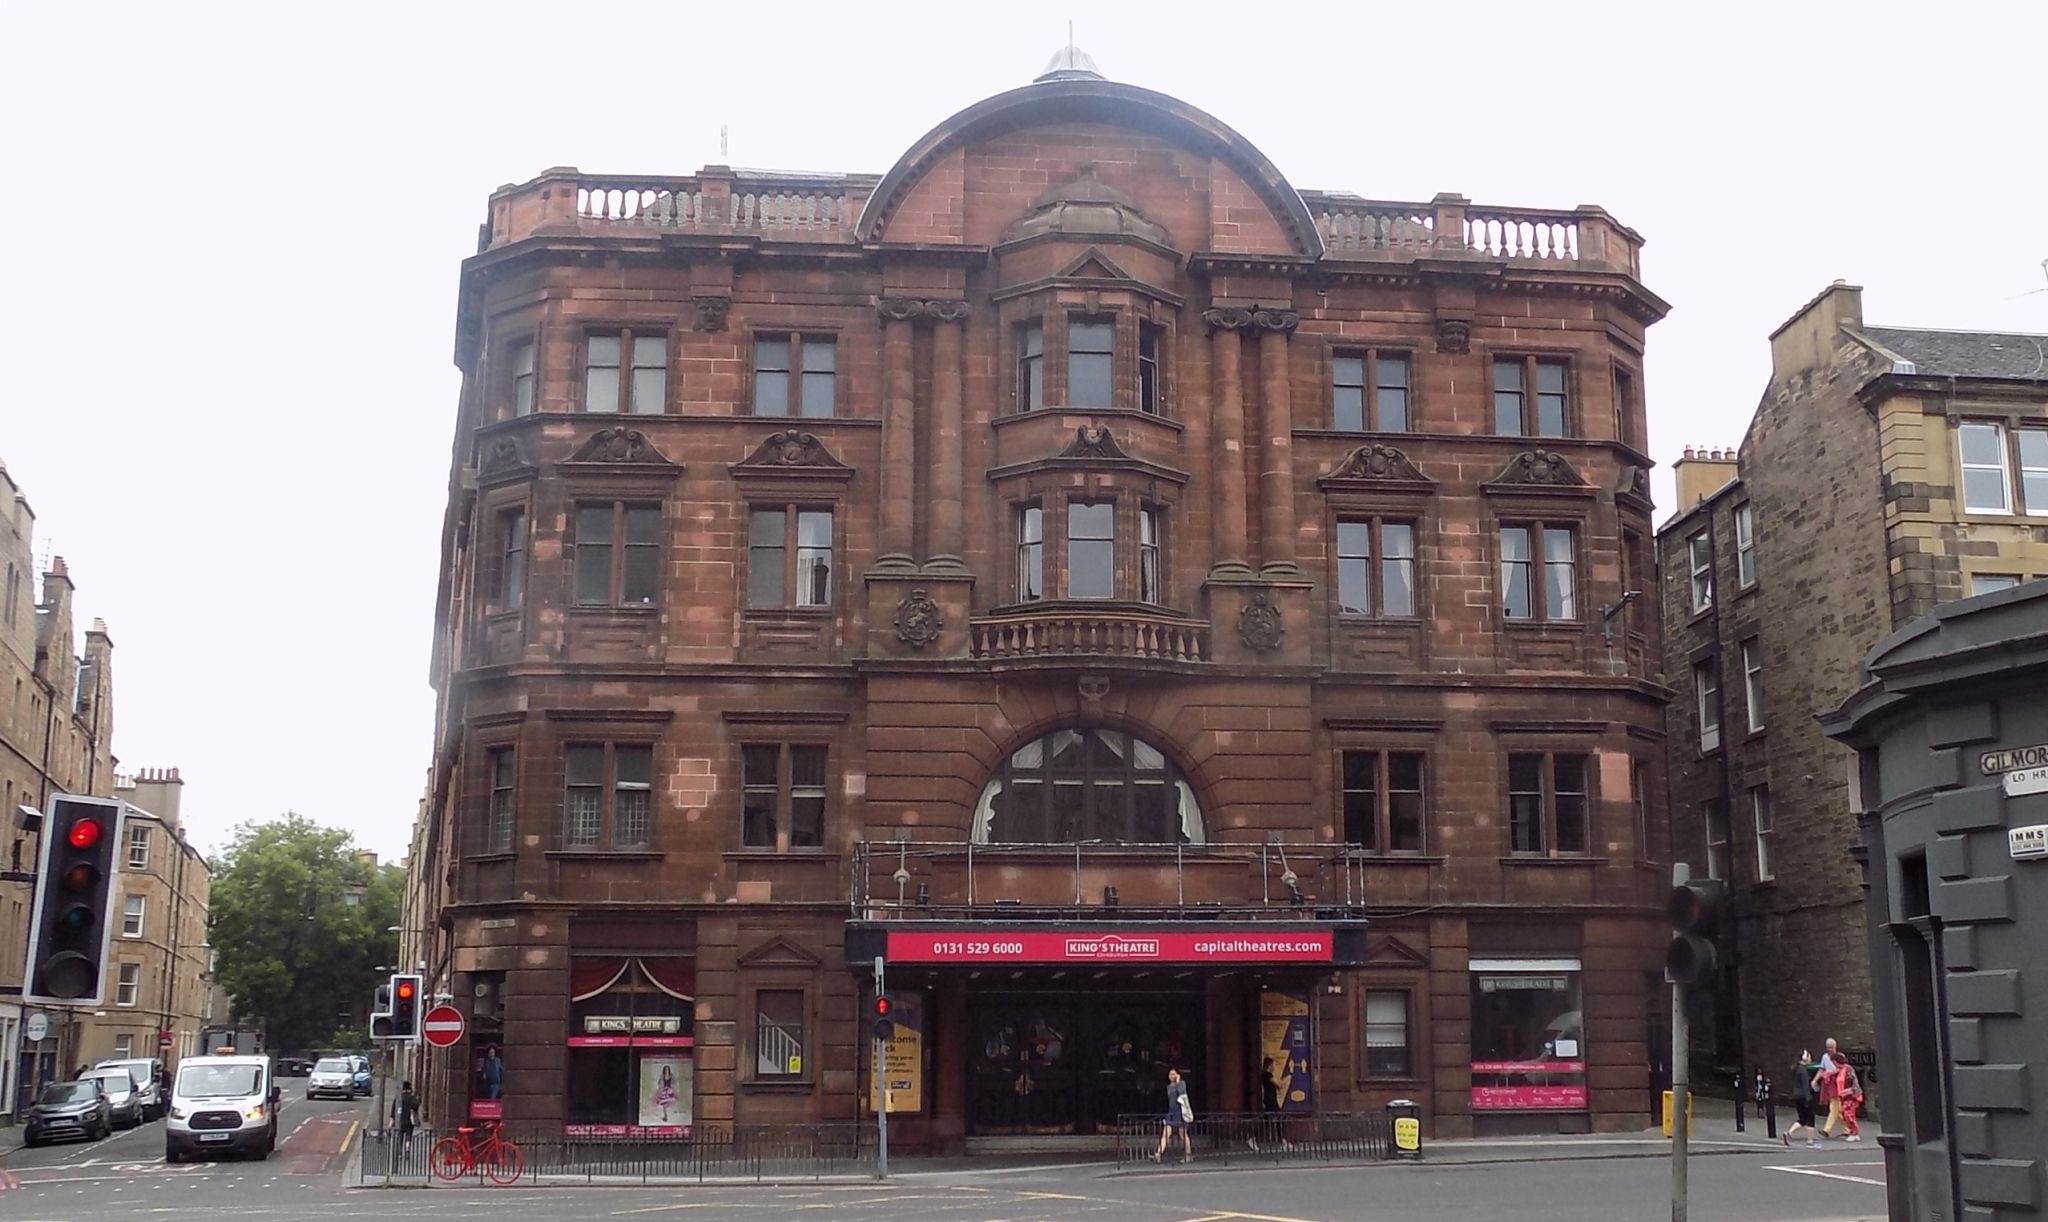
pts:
[1528, 1042]
[630, 1041]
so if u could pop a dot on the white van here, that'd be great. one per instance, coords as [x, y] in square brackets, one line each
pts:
[224, 1103]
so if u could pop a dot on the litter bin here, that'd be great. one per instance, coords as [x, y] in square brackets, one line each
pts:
[1407, 1118]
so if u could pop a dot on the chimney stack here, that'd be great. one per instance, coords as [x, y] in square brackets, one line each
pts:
[1701, 473]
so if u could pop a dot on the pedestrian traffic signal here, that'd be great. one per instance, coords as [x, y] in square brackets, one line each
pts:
[884, 1026]
[69, 932]
[1695, 912]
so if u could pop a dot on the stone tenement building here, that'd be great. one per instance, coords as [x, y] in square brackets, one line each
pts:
[1170, 617]
[159, 977]
[1886, 471]
[56, 724]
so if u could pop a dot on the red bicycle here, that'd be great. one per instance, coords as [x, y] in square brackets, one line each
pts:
[457, 1156]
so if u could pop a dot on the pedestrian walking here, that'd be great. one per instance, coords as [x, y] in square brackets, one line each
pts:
[1827, 1079]
[1849, 1094]
[407, 1113]
[1180, 1115]
[1269, 1106]
[1803, 1099]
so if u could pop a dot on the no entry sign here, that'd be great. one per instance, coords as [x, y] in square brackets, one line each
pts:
[442, 1026]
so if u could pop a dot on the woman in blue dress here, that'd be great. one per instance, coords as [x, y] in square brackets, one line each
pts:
[1180, 1115]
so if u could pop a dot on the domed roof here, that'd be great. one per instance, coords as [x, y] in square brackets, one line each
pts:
[1070, 63]
[1088, 207]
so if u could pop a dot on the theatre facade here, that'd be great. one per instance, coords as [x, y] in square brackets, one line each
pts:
[1161, 616]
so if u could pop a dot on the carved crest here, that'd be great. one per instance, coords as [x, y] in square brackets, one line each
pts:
[1093, 441]
[1259, 623]
[619, 445]
[1453, 335]
[1542, 468]
[918, 619]
[711, 312]
[503, 454]
[1378, 462]
[792, 448]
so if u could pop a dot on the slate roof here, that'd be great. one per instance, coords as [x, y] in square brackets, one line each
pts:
[1965, 354]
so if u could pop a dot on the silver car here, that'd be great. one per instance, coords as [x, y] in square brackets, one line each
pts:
[123, 1100]
[335, 1076]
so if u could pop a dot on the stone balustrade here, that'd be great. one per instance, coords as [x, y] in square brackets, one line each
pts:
[1452, 226]
[1065, 632]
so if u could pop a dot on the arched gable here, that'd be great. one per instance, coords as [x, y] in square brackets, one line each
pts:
[918, 186]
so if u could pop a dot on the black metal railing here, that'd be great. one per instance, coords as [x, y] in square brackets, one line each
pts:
[547, 1154]
[1228, 1138]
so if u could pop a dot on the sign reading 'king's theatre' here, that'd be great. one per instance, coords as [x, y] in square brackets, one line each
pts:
[1014, 945]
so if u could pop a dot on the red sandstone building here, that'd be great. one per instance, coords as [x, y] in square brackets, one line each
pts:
[1170, 616]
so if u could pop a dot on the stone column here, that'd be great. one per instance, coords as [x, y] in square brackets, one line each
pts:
[899, 434]
[1227, 514]
[1276, 450]
[948, 440]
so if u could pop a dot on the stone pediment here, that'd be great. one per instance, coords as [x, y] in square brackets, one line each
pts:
[792, 448]
[502, 461]
[779, 952]
[1092, 264]
[1393, 952]
[1093, 441]
[619, 446]
[1540, 470]
[1377, 463]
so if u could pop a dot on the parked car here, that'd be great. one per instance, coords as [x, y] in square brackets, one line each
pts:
[149, 1078]
[68, 1109]
[294, 1067]
[332, 1076]
[225, 1103]
[124, 1102]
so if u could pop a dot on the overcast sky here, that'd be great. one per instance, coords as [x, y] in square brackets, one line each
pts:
[233, 239]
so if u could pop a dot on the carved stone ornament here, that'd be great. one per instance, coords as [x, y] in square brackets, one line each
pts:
[711, 312]
[1283, 321]
[1093, 441]
[1635, 482]
[1093, 687]
[1453, 335]
[618, 445]
[900, 309]
[1378, 462]
[1227, 318]
[501, 455]
[946, 309]
[918, 619]
[792, 448]
[1259, 623]
[1542, 468]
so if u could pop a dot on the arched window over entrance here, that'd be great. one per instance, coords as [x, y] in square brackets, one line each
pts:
[1102, 785]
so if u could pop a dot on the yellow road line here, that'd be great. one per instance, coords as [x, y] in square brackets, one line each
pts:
[350, 1136]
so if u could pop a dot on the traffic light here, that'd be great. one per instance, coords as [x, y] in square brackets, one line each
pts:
[405, 1007]
[885, 1027]
[67, 941]
[1695, 912]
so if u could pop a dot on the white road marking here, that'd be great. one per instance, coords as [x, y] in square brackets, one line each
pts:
[1829, 1172]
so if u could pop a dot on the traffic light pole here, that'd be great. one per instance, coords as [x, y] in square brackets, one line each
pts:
[1681, 1109]
[881, 1081]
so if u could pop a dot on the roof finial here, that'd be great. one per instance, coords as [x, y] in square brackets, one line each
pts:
[1069, 63]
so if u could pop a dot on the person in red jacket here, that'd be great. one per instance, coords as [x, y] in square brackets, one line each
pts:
[1849, 1091]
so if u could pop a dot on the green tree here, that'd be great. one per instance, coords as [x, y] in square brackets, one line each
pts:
[301, 923]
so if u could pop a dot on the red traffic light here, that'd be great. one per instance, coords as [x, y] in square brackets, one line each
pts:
[405, 990]
[881, 1007]
[85, 833]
